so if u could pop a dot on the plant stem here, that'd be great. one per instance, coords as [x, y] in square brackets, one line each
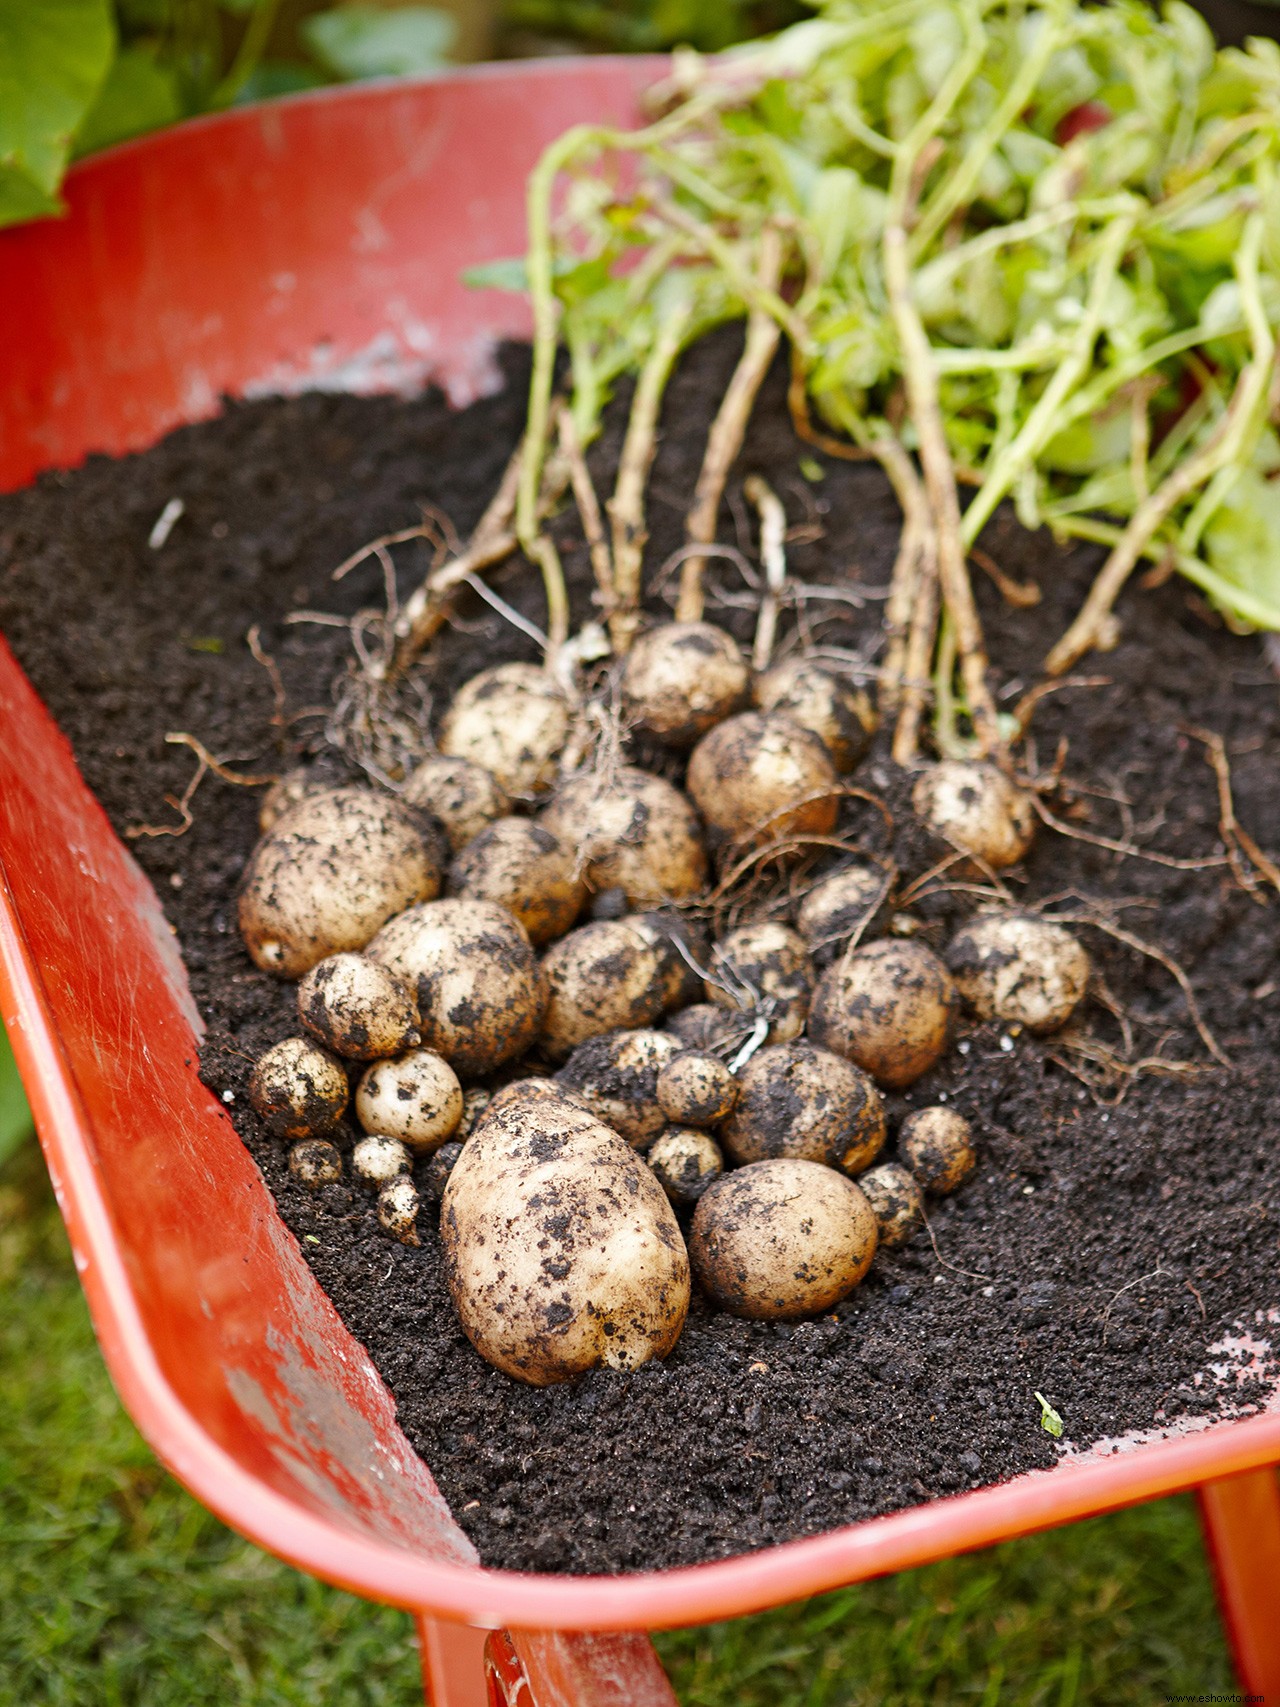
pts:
[773, 534]
[584, 494]
[905, 580]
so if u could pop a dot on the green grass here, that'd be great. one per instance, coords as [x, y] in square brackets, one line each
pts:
[118, 1590]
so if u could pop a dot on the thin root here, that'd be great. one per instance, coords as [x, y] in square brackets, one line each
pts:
[1242, 850]
[181, 804]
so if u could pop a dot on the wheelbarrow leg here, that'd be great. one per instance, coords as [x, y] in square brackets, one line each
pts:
[1241, 1518]
[453, 1672]
[550, 1668]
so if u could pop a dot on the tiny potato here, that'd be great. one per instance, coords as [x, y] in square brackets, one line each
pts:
[437, 1168]
[398, 1210]
[798, 1101]
[464, 797]
[335, 867]
[764, 967]
[839, 714]
[633, 831]
[781, 1239]
[977, 809]
[696, 1089]
[685, 1162]
[759, 777]
[602, 977]
[357, 1008]
[681, 678]
[936, 1144]
[480, 990]
[1020, 969]
[512, 720]
[315, 1162]
[523, 867]
[415, 1098]
[561, 1251]
[887, 1008]
[896, 1201]
[853, 898]
[616, 1077]
[284, 795]
[375, 1160]
[299, 1090]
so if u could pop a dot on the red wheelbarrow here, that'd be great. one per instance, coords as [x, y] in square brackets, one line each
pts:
[321, 241]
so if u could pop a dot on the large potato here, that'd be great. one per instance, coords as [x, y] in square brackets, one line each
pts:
[764, 967]
[977, 809]
[616, 1076]
[526, 869]
[683, 677]
[512, 721]
[480, 989]
[760, 776]
[335, 867]
[795, 1100]
[607, 976]
[887, 1008]
[839, 714]
[631, 831]
[781, 1239]
[561, 1250]
[1020, 969]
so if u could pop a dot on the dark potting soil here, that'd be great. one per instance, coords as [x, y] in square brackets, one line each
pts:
[1106, 1241]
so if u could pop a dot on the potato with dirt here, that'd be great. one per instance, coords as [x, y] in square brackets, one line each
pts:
[936, 1145]
[710, 1029]
[778, 1240]
[852, 900]
[896, 1200]
[685, 1161]
[763, 968]
[357, 1008]
[696, 1089]
[840, 715]
[1019, 969]
[760, 777]
[480, 991]
[630, 830]
[512, 721]
[616, 1077]
[561, 1251]
[682, 678]
[798, 1101]
[523, 867]
[606, 976]
[887, 1008]
[463, 796]
[415, 1098]
[331, 871]
[976, 808]
[298, 1089]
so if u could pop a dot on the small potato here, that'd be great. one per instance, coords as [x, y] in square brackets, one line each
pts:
[887, 1008]
[512, 720]
[850, 899]
[282, 796]
[438, 1167]
[521, 866]
[315, 1162]
[839, 714]
[357, 1008]
[685, 947]
[300, 1091]
[895, 1198]
[631, 831]
[795, 1100]
[977, 809]
[764, 968]
[759, 777]
[398, 1210]
[781, 1239]
[336, 866]
[561, 1251]
[616, 1077]
[684, 1163]
[376, 1160]
[683, 677]
[1020, 969]
[696, 1090]
[710, 1029]
[474, 1103]
[602, 977]
[416, 1098]
[462, 796]
[480, 990]
[936, 1144]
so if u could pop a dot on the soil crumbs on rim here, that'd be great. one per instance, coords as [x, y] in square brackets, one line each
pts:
[1101, 1248]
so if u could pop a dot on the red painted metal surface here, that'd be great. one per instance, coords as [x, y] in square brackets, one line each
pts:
[319, 238]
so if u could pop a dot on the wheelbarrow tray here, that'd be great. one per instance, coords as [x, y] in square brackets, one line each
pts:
[315, 241]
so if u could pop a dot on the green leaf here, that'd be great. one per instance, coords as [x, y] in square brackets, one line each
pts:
[53, 57]
[1050, 1421]
[15, 1117]
[363, 41]
[138, 96]
[508, 274]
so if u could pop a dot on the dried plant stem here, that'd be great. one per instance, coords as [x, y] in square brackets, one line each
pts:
[920, 641]
[1242, 850]
[773, 554]
[724, 441]
[584, 495]
[905, 581]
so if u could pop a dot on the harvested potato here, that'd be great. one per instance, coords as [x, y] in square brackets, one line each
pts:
[851, 899]
[710, 1029]
[681, 678]
[759, 777]
[887, 1008]
[439, 1165]
[336, 866]
[795, 1100]
[376, 1160]
[480, 990]
[977, 809]
[474, 1103]
[895, 1200]
[298, 1089]
[283, 795]
[315, 1162]
[937, 1146]
[764, 968]
[523, 867]
[398, 1210]
[685, 947]
[358, 1008]
[781, 1239]
[602, 977]
[464, 797]
[415, 1098]
[512, 721]
[696, 1089]
[838, 713]
[1020, 969]
[631, 831]
[685, 1162]
[529, 1089]
[561, 1251]
[616, 1077]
